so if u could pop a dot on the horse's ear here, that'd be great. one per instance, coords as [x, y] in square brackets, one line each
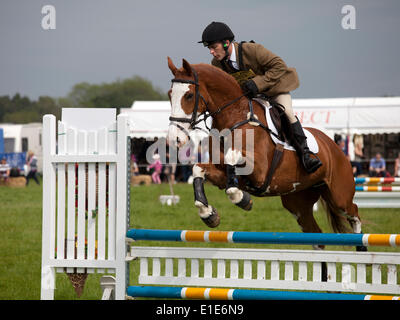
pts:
[187, 67]
[171, 66]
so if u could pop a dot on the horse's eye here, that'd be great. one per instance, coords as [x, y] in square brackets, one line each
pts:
[189, 96]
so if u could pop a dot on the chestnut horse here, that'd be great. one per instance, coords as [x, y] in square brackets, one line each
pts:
[204, 89]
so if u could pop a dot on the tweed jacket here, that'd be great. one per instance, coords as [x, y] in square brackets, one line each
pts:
[272, 78]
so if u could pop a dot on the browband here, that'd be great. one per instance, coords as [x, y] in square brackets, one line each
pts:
[185, 81]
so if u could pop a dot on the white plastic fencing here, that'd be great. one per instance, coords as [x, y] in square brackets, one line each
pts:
[347, 271]
[84, 199]
[377, 199]
[86, 214]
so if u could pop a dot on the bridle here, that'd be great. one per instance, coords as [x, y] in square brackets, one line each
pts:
[193, 121]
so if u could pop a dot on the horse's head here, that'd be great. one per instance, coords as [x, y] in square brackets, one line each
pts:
[188, 100]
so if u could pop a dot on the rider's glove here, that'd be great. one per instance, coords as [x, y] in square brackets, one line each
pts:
[250, 87]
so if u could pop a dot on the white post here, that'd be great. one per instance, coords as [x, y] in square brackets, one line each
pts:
[117, 154]
[48, 223]
[122, 198]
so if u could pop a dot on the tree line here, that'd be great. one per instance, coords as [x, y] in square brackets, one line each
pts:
[118, 94]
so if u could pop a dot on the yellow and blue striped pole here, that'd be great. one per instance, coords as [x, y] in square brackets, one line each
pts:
[378, 188]
[242, 294]
[374, 180]
[295, 238]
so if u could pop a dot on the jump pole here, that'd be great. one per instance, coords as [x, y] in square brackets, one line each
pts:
[295, 238]
[377, 180]
[243, 294]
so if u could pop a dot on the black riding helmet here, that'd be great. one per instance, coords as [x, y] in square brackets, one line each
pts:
[216, 31]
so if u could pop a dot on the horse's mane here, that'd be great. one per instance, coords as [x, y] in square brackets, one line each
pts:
[216, 78]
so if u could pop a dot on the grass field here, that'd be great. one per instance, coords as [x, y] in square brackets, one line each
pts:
[21, 221]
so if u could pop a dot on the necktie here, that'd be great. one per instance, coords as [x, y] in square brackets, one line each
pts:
[231, 65]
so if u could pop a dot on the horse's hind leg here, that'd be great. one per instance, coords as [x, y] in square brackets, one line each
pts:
[340, 207]
[355, 222]
[300, 205]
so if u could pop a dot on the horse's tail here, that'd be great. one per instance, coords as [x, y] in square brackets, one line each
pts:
[337, 219]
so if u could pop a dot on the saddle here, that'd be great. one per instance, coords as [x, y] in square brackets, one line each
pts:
[279, 119]
[284, 134]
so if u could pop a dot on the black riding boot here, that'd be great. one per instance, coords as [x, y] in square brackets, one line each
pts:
[300, 144]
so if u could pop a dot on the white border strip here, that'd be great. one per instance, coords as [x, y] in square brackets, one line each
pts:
[392, 240]
[365, 239]
[183, 293]
[230, 236]
[183, 235]
[206, 236]
[207, 294]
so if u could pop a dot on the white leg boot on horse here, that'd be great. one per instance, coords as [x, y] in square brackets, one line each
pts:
[238, 197]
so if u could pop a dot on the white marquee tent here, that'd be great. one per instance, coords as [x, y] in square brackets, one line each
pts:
[149, 119]
[339, 115]
[350, 115]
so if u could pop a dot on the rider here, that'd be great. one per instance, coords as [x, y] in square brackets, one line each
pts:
[260, 72]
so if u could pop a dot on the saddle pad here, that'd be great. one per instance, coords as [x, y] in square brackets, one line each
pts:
[311, 142]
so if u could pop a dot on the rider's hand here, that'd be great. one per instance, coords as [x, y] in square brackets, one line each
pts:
[250, 87]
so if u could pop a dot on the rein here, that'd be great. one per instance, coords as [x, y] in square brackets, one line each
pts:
[251, 119]
[193, 121]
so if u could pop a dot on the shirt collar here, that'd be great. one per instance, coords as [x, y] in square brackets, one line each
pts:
[233, 54]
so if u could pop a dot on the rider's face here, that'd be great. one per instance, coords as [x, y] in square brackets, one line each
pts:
[217, 50]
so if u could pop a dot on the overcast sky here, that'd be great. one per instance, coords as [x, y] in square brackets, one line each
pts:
[102, 41]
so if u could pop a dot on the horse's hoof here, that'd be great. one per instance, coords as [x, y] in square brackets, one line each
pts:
[212, 221]
[246, 203]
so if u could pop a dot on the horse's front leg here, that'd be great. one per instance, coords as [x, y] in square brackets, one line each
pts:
[238, 197]
[207, 212]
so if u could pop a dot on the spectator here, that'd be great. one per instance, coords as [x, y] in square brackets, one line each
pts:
[134, 166]
[170, 167]
[31, 161]
[203, 153]
[358, 154]
[397, 166]
[342, 145]
[377, 166]
[170, 170]
[185, 158]
[157, 165]
[4, 170]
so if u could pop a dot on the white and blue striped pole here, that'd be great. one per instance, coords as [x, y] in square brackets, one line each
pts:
[242, 294]
[350, 239]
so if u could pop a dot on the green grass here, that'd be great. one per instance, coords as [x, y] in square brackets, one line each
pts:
[21, 222]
